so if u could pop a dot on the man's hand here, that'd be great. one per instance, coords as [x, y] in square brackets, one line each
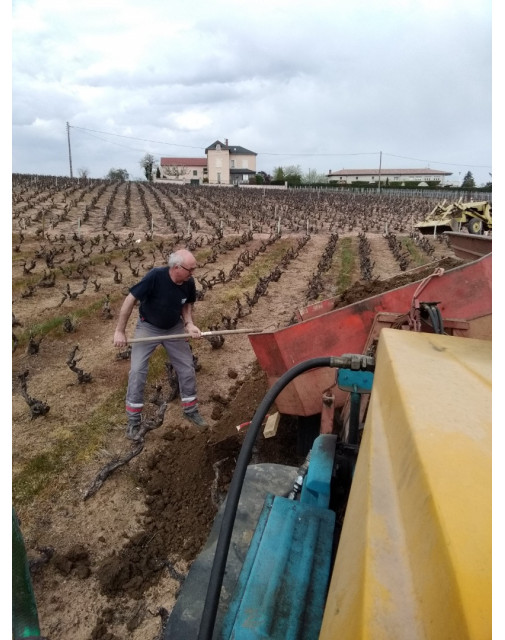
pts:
[193, 330]
[120, 338]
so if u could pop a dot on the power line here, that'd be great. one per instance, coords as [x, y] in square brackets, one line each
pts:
[454, 164]
[118, 144]
[107, 133]
[368, 153]
[187, 146]
[293, 154]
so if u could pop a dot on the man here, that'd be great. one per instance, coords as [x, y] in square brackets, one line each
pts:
[166, 297]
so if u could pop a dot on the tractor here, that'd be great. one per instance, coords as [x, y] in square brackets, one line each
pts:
[476, 217]
[385, 530]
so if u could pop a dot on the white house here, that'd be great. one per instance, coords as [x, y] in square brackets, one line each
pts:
[372, 176]
[224, 164]
[230, 164]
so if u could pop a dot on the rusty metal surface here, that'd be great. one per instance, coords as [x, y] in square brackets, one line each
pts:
[469, 247]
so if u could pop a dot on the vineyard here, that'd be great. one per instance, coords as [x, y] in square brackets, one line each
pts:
[110, 526]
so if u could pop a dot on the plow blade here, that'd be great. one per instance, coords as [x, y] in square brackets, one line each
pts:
[469, 247]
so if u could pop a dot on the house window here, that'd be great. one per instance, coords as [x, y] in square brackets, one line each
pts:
[195, 172]
[219, 178]
[232, 164]
[218, 147]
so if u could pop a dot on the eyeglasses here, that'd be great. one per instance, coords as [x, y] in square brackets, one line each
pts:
[186, 269]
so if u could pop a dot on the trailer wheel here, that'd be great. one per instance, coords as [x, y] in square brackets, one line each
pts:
[474, 226]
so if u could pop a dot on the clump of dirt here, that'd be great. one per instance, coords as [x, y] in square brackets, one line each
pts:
[100, 631]
[76, 561]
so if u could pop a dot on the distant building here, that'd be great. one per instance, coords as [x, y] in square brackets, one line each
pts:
[348, 176]
[230, 164]
[183, 170]
[224, 164]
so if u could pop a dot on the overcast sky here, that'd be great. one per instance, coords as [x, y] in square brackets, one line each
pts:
[320, 84]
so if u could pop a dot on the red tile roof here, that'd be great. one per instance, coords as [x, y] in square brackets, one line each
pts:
[183, 162]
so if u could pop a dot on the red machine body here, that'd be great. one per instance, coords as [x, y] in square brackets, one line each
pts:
[464, 299]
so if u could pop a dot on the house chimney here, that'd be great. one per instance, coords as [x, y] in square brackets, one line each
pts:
[226, 142]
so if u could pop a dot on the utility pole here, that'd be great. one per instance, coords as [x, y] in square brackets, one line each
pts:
[69, 152]
[380, 168]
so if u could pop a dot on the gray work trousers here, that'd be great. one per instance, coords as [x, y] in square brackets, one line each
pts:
[180, 355]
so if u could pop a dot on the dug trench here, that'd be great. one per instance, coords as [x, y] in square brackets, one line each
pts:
[180, 514]
[184, 480]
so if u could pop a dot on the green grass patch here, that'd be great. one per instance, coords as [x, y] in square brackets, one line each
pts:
[54, 325]
[416, 255]
[39, 473]
[202, 255]
[226, 299]
[347, 263]
[64, 271]
[19, 285]
[265, 263]
[157, 368]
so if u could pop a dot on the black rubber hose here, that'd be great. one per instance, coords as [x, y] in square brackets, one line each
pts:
[25, 618]
[440, 321]
[223, 542]
[436, 318]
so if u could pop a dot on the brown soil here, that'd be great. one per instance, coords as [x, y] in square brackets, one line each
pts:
[109, 566]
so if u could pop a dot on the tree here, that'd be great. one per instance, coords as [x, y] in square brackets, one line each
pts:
[83, 173]
[147, 163]
[158, 173]
[279, 174]
[313, 177]
[262, 177]
[468, 181]
[292, 175]
[118, 174]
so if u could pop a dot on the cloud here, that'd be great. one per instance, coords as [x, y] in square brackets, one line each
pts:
[412, 79]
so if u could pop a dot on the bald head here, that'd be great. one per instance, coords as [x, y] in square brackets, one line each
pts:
[181, 265]
[182, 257]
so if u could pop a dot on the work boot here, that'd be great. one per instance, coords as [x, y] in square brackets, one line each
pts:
[195, 418]
[133, 426]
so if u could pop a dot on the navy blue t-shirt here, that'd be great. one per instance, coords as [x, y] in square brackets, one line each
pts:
[161, 300]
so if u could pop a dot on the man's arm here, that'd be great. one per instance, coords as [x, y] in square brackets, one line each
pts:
[189, 325]
[124, 315]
